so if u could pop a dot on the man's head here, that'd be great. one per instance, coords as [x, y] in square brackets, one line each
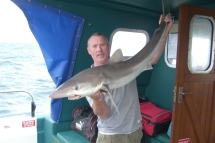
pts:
[98, 48]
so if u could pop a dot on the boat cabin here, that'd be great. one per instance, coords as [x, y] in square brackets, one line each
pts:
[183, 80]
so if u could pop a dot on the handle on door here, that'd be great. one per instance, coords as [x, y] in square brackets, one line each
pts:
[181, 93]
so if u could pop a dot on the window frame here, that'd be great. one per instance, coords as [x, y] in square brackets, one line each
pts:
[127, 30]
[211, 62]
[173, 30]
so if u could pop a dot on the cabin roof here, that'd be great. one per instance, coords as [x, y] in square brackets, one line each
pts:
[143, 6]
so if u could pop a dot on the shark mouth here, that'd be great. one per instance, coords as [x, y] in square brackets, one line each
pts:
[74, 97]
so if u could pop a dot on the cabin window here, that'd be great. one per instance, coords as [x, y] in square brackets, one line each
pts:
[171, 46]
[130, 41]
[200, 56]
[171, 49]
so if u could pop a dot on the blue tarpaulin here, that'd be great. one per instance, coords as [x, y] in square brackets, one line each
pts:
[58, 34]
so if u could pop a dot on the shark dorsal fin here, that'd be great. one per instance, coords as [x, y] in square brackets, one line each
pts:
[116, 57]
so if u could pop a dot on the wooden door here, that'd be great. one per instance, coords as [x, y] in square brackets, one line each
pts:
[193, 118]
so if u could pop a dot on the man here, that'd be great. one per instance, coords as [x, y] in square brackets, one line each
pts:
[125, 127]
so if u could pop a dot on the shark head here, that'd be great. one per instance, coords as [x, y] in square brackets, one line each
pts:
[85, 83]
[79, 86]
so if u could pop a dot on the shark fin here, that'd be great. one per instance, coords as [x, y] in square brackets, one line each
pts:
[116, 57]
[104, 88]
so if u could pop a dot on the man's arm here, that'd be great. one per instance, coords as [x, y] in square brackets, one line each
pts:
[100, 108]
[161, 47]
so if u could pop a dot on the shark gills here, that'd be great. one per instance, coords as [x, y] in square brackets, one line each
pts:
[115, 74]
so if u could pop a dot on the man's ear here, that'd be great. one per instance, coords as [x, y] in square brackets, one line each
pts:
[88, 50]
[109, 48]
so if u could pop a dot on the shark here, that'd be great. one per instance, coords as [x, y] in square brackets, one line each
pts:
[115, 74]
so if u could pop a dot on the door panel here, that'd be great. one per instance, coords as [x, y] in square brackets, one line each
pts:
[194, 118]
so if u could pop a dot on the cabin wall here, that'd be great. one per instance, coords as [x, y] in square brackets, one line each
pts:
[161, 86]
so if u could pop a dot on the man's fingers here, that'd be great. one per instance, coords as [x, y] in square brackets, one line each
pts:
[161, 16]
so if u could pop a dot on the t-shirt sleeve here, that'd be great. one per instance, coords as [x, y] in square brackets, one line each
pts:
[90, 101]
[149, 66]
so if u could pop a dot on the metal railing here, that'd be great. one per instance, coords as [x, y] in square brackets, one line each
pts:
[33, 105]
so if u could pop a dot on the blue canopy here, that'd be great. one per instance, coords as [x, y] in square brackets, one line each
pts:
[58, 34]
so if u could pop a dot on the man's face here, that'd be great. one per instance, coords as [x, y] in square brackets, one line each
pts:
[98, 48]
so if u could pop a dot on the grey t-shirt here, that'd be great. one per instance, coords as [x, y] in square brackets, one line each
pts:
[129, 118]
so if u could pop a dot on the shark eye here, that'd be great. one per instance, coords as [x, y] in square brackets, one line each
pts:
[75, 87]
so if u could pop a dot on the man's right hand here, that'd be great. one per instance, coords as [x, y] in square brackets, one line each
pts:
[96, 96]
[100, 108]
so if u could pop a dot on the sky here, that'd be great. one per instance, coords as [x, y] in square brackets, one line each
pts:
[14, 26]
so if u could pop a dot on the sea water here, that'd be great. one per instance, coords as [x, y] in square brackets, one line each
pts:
[22, 67]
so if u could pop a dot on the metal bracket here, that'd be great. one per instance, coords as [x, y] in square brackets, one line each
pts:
[181, 93]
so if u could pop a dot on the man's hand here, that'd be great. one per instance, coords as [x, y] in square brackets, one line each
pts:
[100, 108]
[169, 22]
[96, 96]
